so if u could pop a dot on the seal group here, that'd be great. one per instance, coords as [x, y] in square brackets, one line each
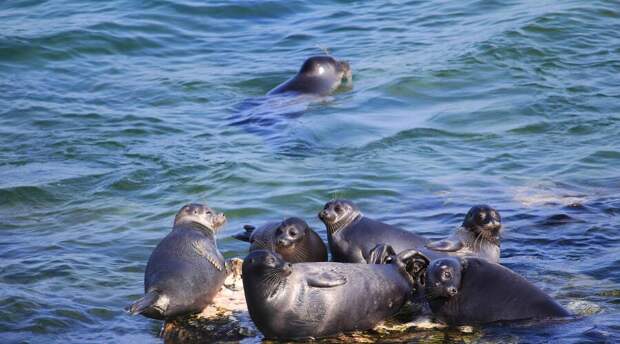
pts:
[293, 292]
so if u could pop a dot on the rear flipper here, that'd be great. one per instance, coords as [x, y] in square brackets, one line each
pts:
[152, 305]
[245, 236]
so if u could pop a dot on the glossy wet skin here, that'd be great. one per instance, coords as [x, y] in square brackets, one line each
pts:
[443, 278]
[290, 232]
[483, 220]
[319, 66]
[337, 213]
[319, 75]
[201, 214]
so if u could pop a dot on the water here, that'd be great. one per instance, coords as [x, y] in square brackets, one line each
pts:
[114, 114]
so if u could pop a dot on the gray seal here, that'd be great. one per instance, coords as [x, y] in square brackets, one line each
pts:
[479, 235]
[292, 238]
[351, 236]
[319, 75]
[474, 291]
[294, 301]
[186, 269]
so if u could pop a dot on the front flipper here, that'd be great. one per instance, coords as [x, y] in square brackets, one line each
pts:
[245, 236]
[202, 250]
[412, 264]
[446, 245]
[325, 279]
[381, 254]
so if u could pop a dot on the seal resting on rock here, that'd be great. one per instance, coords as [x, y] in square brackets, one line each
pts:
[292, 238]
[351, 235]
[479, 235]
[319, 75]
[186, 270]
[472, 290]
[303, 300]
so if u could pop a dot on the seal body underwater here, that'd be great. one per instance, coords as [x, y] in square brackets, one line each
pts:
[351, 235]
[319, 75]
[479, 235]
[473, 291]
[292, 238]
[186, 270]
[304, 300]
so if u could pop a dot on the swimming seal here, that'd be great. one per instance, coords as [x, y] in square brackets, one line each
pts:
[319, 75]
[292, 238]
[351, 235]
[185, 270]
[473, 291]
[293, 301]
[479, 235]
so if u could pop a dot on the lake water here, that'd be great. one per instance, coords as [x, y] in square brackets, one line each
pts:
[113, 114]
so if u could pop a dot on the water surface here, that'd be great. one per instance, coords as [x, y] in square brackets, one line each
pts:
[114, 114]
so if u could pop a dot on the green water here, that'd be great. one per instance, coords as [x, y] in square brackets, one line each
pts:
[114, 114]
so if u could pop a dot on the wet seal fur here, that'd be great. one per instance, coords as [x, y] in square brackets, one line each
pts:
[303, 300]
[351, 235]
[479, 235]
[319, 75]
[186, 270]
[475, 291]
[292, 238]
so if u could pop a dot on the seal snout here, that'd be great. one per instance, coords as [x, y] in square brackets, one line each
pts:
[326, 216]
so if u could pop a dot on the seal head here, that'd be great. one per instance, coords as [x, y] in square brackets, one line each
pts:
[319, 75]
[338, 214]
[443, 278]
[484, 222]
[199, 216]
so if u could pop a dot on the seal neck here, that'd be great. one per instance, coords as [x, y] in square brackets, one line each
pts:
[346, 221]
[197, 226]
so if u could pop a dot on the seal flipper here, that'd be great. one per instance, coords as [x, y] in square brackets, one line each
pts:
[245, 236]
[446, 245]
[148, 303]
[326, 279]
[200, 249]
[381, 254]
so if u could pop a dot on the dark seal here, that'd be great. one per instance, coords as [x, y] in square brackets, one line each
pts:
[319, 75]
[292, 238]
[479, 235]
[293, 301]
[475, 291]
[185, 270]
[351, 235]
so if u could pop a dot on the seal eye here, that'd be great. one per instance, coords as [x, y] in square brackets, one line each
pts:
[446, 275]
[270, 261]
[293, 233]
[338, 209]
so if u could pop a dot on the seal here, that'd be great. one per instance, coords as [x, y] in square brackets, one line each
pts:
[479, 235]
[292, 238]
[295, 301]
[351, 236]
[473, 290]
[319, 75]
[186, 270]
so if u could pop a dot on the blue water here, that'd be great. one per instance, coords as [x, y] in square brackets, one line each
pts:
[113, 114]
